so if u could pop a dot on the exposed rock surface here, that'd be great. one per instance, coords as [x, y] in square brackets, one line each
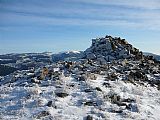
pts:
[110, 49]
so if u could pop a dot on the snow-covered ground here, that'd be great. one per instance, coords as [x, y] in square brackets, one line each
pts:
[91, 97]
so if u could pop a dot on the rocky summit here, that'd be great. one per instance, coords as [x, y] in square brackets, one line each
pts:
[109, 49]
[111, 80]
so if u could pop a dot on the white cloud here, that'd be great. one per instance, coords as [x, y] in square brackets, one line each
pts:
[145, 4]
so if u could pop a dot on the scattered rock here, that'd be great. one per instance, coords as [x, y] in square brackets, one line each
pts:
[88, 90]
[41, 102]
[114, 98]
[98, 89]
[112, 77]
[128, 100]
[45, 71]
[40, 77]
[42, 114]
[62, 95]
[82, 78]
[132, 107]
[90, 103]
[138, 75]
[119, 103]
[71, 85]
[106, 84]
[33, 80]
[89, 117]
[92, 76]
[158, 87]
[50, 104]
[117, 111]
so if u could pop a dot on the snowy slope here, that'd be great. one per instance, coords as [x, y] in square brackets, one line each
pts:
[28, 102]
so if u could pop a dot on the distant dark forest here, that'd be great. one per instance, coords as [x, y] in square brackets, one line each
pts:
[5, 70]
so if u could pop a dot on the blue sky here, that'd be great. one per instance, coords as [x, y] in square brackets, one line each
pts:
[62, 25]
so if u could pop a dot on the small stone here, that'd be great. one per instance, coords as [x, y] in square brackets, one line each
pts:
[42, 114]
[138, 75]
[62, 95]
[71, 85]
[115, 98]
[117, 111]
[132, 107]
[98, 89]
[106, 84]
[128, 100]
[40, 77]
[90, 103]
[88, 90]
[33, 80]
[89, 117]
[119, 103]
[82, 78]
[158, 86]
[49, 104]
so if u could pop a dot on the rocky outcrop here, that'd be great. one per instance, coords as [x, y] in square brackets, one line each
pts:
[108, 49]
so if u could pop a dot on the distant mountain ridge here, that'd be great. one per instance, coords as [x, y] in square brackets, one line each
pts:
[67, 56]
[155, 56]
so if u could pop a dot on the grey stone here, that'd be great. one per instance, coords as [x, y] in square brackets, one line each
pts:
[61, 94]
[42, 114]
[91, 56]
[89, 117]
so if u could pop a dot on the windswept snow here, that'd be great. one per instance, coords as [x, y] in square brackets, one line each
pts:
[27, 102]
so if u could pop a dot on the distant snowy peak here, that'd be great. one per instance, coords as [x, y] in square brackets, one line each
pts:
[76, 52]
[67, 56]
[68, 52]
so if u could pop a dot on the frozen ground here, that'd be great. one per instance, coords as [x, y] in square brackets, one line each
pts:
[83, 98]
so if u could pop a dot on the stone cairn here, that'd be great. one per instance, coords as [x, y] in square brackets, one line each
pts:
[108, 49]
